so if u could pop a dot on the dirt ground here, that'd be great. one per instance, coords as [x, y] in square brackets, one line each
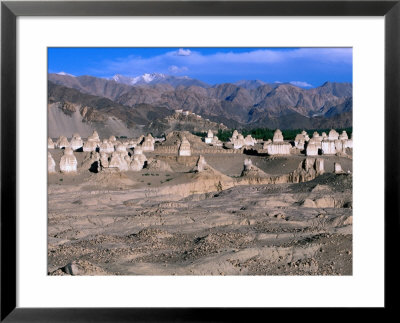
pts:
[128, 224]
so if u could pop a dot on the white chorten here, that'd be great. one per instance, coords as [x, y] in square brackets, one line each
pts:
[312, 149]
[278, 137]
[235, 134]
[333, 135]
[94, 137]
[62, 142]
[148, 143]
[140, 156]
[51, 164]
[136, 164]
[343, 135]
[106, 146]
[118, 161]
[278, 145]
[89, 146]
[68, 162]
[209, 138]
[76, 142]
[328, 147]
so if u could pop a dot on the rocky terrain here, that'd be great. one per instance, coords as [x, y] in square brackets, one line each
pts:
[247, 104]
[70, 110]
[168, 220]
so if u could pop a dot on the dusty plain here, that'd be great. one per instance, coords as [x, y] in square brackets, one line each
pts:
[157, 222]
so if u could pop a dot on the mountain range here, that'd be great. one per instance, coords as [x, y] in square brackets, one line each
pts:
[138, 102]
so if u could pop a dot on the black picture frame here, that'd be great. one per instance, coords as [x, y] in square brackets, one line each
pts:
[10, 10]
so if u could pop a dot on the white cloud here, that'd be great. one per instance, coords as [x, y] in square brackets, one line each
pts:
[300, 84]
[175, 69]
[324, 54]
[183, 52]
[272, 61]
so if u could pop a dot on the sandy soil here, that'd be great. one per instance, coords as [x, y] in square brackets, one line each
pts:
[133, 223]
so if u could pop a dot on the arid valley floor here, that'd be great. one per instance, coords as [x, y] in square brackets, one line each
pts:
[172, 221]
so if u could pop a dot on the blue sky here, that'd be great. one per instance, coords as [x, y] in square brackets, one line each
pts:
[307, 67]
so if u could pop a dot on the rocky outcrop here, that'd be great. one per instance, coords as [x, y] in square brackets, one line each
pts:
[307, 170]
[158, 165]
[252, 174]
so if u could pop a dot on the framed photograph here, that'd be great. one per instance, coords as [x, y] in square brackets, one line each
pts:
[200, 158]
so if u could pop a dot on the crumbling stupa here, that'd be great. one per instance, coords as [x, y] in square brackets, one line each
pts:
[184, 148]
[201, 164]
[238, 141]
[148, 143]
[104, 160]
[338, 169]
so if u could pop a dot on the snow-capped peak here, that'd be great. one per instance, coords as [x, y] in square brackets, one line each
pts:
[157, 78]
[141, 79]
[152, 77]
[63, 73]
